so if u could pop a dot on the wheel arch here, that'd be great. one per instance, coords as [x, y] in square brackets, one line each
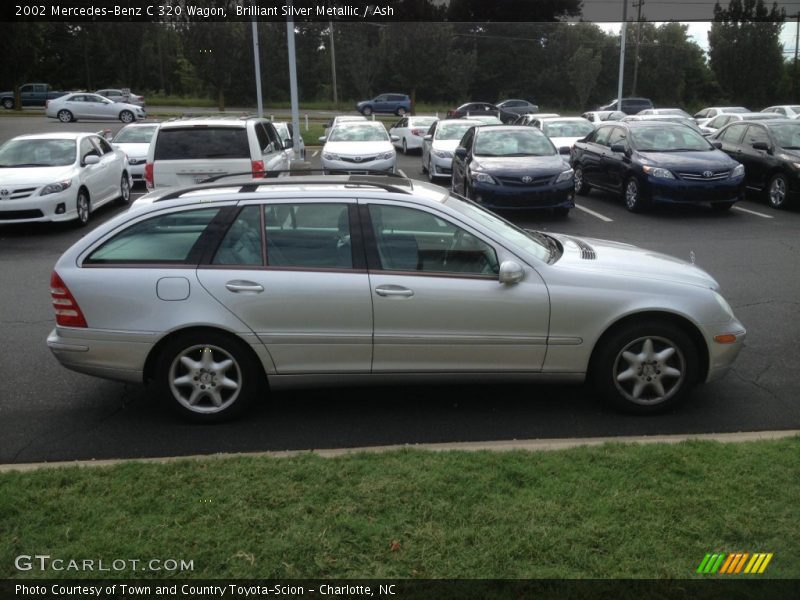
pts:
[676, 320]
[150, 364]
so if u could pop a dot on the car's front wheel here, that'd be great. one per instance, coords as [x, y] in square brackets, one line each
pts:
[124, 190]
[65, 116]
[208, 375]
[645, 367]
[634, 201]
[581, 187]
[8, 103]
[83, 207]
[778, 191]
[367, 111]
[405, 146]
[126, 116]
[431, 174]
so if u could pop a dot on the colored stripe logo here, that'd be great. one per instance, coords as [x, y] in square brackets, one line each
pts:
[735, 563]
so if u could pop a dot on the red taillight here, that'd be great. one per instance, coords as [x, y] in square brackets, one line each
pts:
[68, 313]
[148, 175]
[258, 168]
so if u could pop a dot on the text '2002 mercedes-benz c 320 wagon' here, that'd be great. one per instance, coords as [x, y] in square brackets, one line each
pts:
[220, 291]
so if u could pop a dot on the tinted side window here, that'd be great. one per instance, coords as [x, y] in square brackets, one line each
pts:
[103, 145]
[617, 136]
[756, 133]
[242, 242]
[261, 135]
[201, 142]
[466, 141]
[733, 133]
[413, 240]
[273, 136]
[87, 149]
[163, 239]
[601, 136]
[308, 236]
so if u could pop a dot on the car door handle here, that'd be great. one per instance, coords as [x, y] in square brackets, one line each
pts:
[394, 290]
[239, 287]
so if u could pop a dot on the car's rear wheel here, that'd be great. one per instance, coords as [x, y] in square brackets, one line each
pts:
[645, 367]
[8, 103]
[65, 116]
[124, 190]
[778, 191]
[83, 206]
[634, 201]
[367, 111]
[581, 187]
[208, 375]
[126, 116]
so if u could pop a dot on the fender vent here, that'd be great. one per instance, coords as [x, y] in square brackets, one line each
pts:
[587, 252]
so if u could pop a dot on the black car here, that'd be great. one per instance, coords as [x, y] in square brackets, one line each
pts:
[654, 161]
[630, 106]
[473, 109]
[512, 167]
[770, 153]
[511, 109]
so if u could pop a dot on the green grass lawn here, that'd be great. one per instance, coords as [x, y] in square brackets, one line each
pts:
[624, 511]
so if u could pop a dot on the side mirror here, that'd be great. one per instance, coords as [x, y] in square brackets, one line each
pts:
[510, 272]
[461, 152]
[427, 137]
[717, 145]
[618, 147]
[322, 138]
[761, 146]
[288, 144]
[91, 159]
[394, 138]
[564, 150]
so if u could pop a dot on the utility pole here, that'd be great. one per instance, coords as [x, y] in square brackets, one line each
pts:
[257, 61]
[622, 52]
[796, 39]
[293, 84]
[638, 6]
[333, 65]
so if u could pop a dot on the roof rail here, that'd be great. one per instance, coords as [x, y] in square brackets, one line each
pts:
[382, 180]
[278, 172]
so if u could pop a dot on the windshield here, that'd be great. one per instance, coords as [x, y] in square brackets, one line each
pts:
[37, 153]
[451, 131]
[567, 128]
[522, 142]
[422, 122]
[667, 138]
[786, 134]
[135, 135]
[504, 229]
[358, 133]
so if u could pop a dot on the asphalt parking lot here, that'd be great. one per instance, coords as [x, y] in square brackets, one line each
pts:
[49, 414]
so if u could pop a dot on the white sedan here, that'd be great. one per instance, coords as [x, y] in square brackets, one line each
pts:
[134, 140]
[564, 131]
[410, 131]
[360, 146]
[72, 107]
[440, 144]
[60, 177]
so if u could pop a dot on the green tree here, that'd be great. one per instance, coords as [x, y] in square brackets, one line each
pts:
[583, 68]
[745, 51]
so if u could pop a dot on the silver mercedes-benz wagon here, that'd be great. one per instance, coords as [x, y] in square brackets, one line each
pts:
[220, 291]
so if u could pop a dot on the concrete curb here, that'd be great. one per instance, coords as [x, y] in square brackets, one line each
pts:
[498, 446]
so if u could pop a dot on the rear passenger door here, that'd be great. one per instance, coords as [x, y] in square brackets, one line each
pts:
[294, 272]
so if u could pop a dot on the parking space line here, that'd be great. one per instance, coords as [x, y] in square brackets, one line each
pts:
[400, 172]
[315, 153]
[593, 213]
[752, 212]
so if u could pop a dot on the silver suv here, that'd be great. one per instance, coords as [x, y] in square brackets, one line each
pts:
[188, 151]
[214, 291]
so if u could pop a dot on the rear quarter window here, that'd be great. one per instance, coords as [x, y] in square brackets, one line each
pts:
[201, 143]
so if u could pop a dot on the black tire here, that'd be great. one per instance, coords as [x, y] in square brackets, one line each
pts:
[778, 191]
[401, 112]
[8, 103]
[632, 196]
[722, 206]
[581, 187]
[83, 205]
[191, 390]
[127, 116]
[367, 111]
[561, 211]
[405, 146]
[609, 364]
[65, 116]
[124, 190]
[429, 170]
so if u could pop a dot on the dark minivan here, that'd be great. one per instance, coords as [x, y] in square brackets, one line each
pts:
[630, 106]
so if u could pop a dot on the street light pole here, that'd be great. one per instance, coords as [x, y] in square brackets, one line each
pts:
[333, 66]
[622, 53]
[638, 6]
[293, 84]
[257, 61]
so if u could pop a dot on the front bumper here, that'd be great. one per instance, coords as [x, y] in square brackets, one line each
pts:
[441, 167]
[679, 191]
[61, 206]
[372, 165]
[136, 168]
[722, 356]
[559, 195]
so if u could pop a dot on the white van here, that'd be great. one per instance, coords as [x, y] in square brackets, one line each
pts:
[188, 151]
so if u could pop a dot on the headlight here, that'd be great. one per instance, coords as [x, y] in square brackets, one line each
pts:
[482, 177]
[386, 155]
[443, 154]
[330, 156]
[659, 172]
[565, 175]
[738, 171]
[723, 304]
[54, 188]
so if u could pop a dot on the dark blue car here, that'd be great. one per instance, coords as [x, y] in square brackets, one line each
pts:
[512, 167]
[652, 161]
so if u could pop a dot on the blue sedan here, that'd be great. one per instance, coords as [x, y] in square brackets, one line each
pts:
[649, 162]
